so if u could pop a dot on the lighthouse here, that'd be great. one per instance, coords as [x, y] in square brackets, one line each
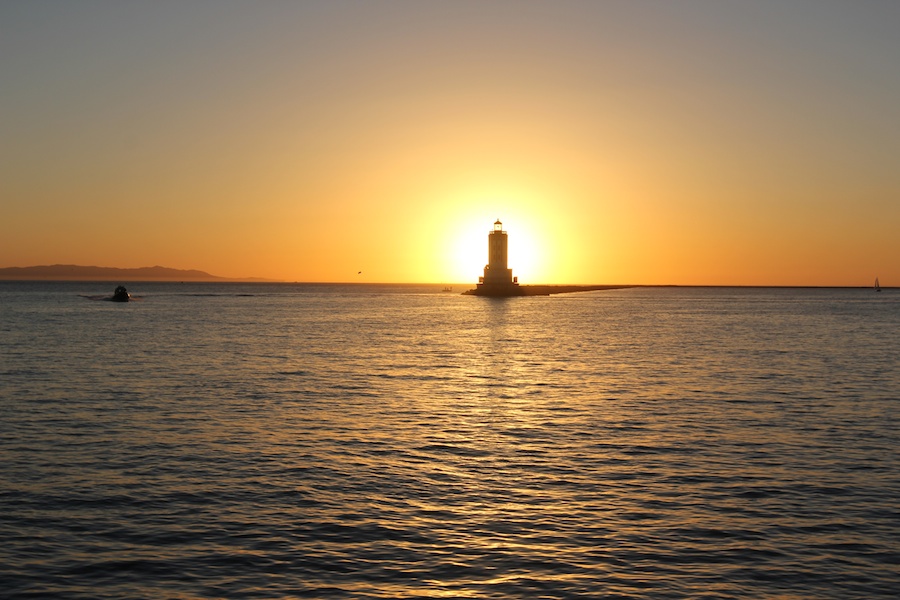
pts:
[498, 279]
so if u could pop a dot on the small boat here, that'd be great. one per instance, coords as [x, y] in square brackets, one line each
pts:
[877, 285]
[120, 295]
[447, 289]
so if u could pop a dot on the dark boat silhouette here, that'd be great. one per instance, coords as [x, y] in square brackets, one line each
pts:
[120, 295]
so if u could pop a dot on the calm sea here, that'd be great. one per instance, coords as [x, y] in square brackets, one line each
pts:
[329, 441]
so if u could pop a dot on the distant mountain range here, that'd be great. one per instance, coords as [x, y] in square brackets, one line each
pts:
[80, 273]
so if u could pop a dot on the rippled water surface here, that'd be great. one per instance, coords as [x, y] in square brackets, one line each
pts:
[267, 441]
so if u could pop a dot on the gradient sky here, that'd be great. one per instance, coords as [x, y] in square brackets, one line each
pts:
[669, 142]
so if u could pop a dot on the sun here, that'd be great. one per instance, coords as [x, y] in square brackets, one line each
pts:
[467, 253]
[454, 241]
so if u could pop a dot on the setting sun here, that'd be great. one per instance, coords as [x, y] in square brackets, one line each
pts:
[543, 241]
[468, 253]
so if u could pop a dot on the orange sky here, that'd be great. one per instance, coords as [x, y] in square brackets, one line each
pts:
[619, 142]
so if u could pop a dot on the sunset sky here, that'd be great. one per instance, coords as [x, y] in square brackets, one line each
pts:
[669, 142]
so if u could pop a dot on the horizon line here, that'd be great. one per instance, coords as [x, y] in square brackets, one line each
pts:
[265, 281]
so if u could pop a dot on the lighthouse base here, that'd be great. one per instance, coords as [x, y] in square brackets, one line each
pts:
[496, 290]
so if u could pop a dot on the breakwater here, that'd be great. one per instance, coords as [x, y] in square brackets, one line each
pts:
[540, 290]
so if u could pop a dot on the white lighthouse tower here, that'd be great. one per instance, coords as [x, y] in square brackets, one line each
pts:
[498, 279]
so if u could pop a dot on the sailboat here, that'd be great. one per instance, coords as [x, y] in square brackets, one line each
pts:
[877, 285]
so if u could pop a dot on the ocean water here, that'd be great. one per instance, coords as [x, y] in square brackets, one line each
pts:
[328, 441]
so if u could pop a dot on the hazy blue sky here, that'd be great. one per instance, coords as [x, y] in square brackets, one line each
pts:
[683, 142]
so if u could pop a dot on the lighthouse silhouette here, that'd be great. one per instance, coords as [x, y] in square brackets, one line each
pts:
[498, 279]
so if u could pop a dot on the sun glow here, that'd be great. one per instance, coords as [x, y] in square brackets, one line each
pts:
[531, 251]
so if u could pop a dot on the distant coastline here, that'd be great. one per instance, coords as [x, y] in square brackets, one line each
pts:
[83, 273]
